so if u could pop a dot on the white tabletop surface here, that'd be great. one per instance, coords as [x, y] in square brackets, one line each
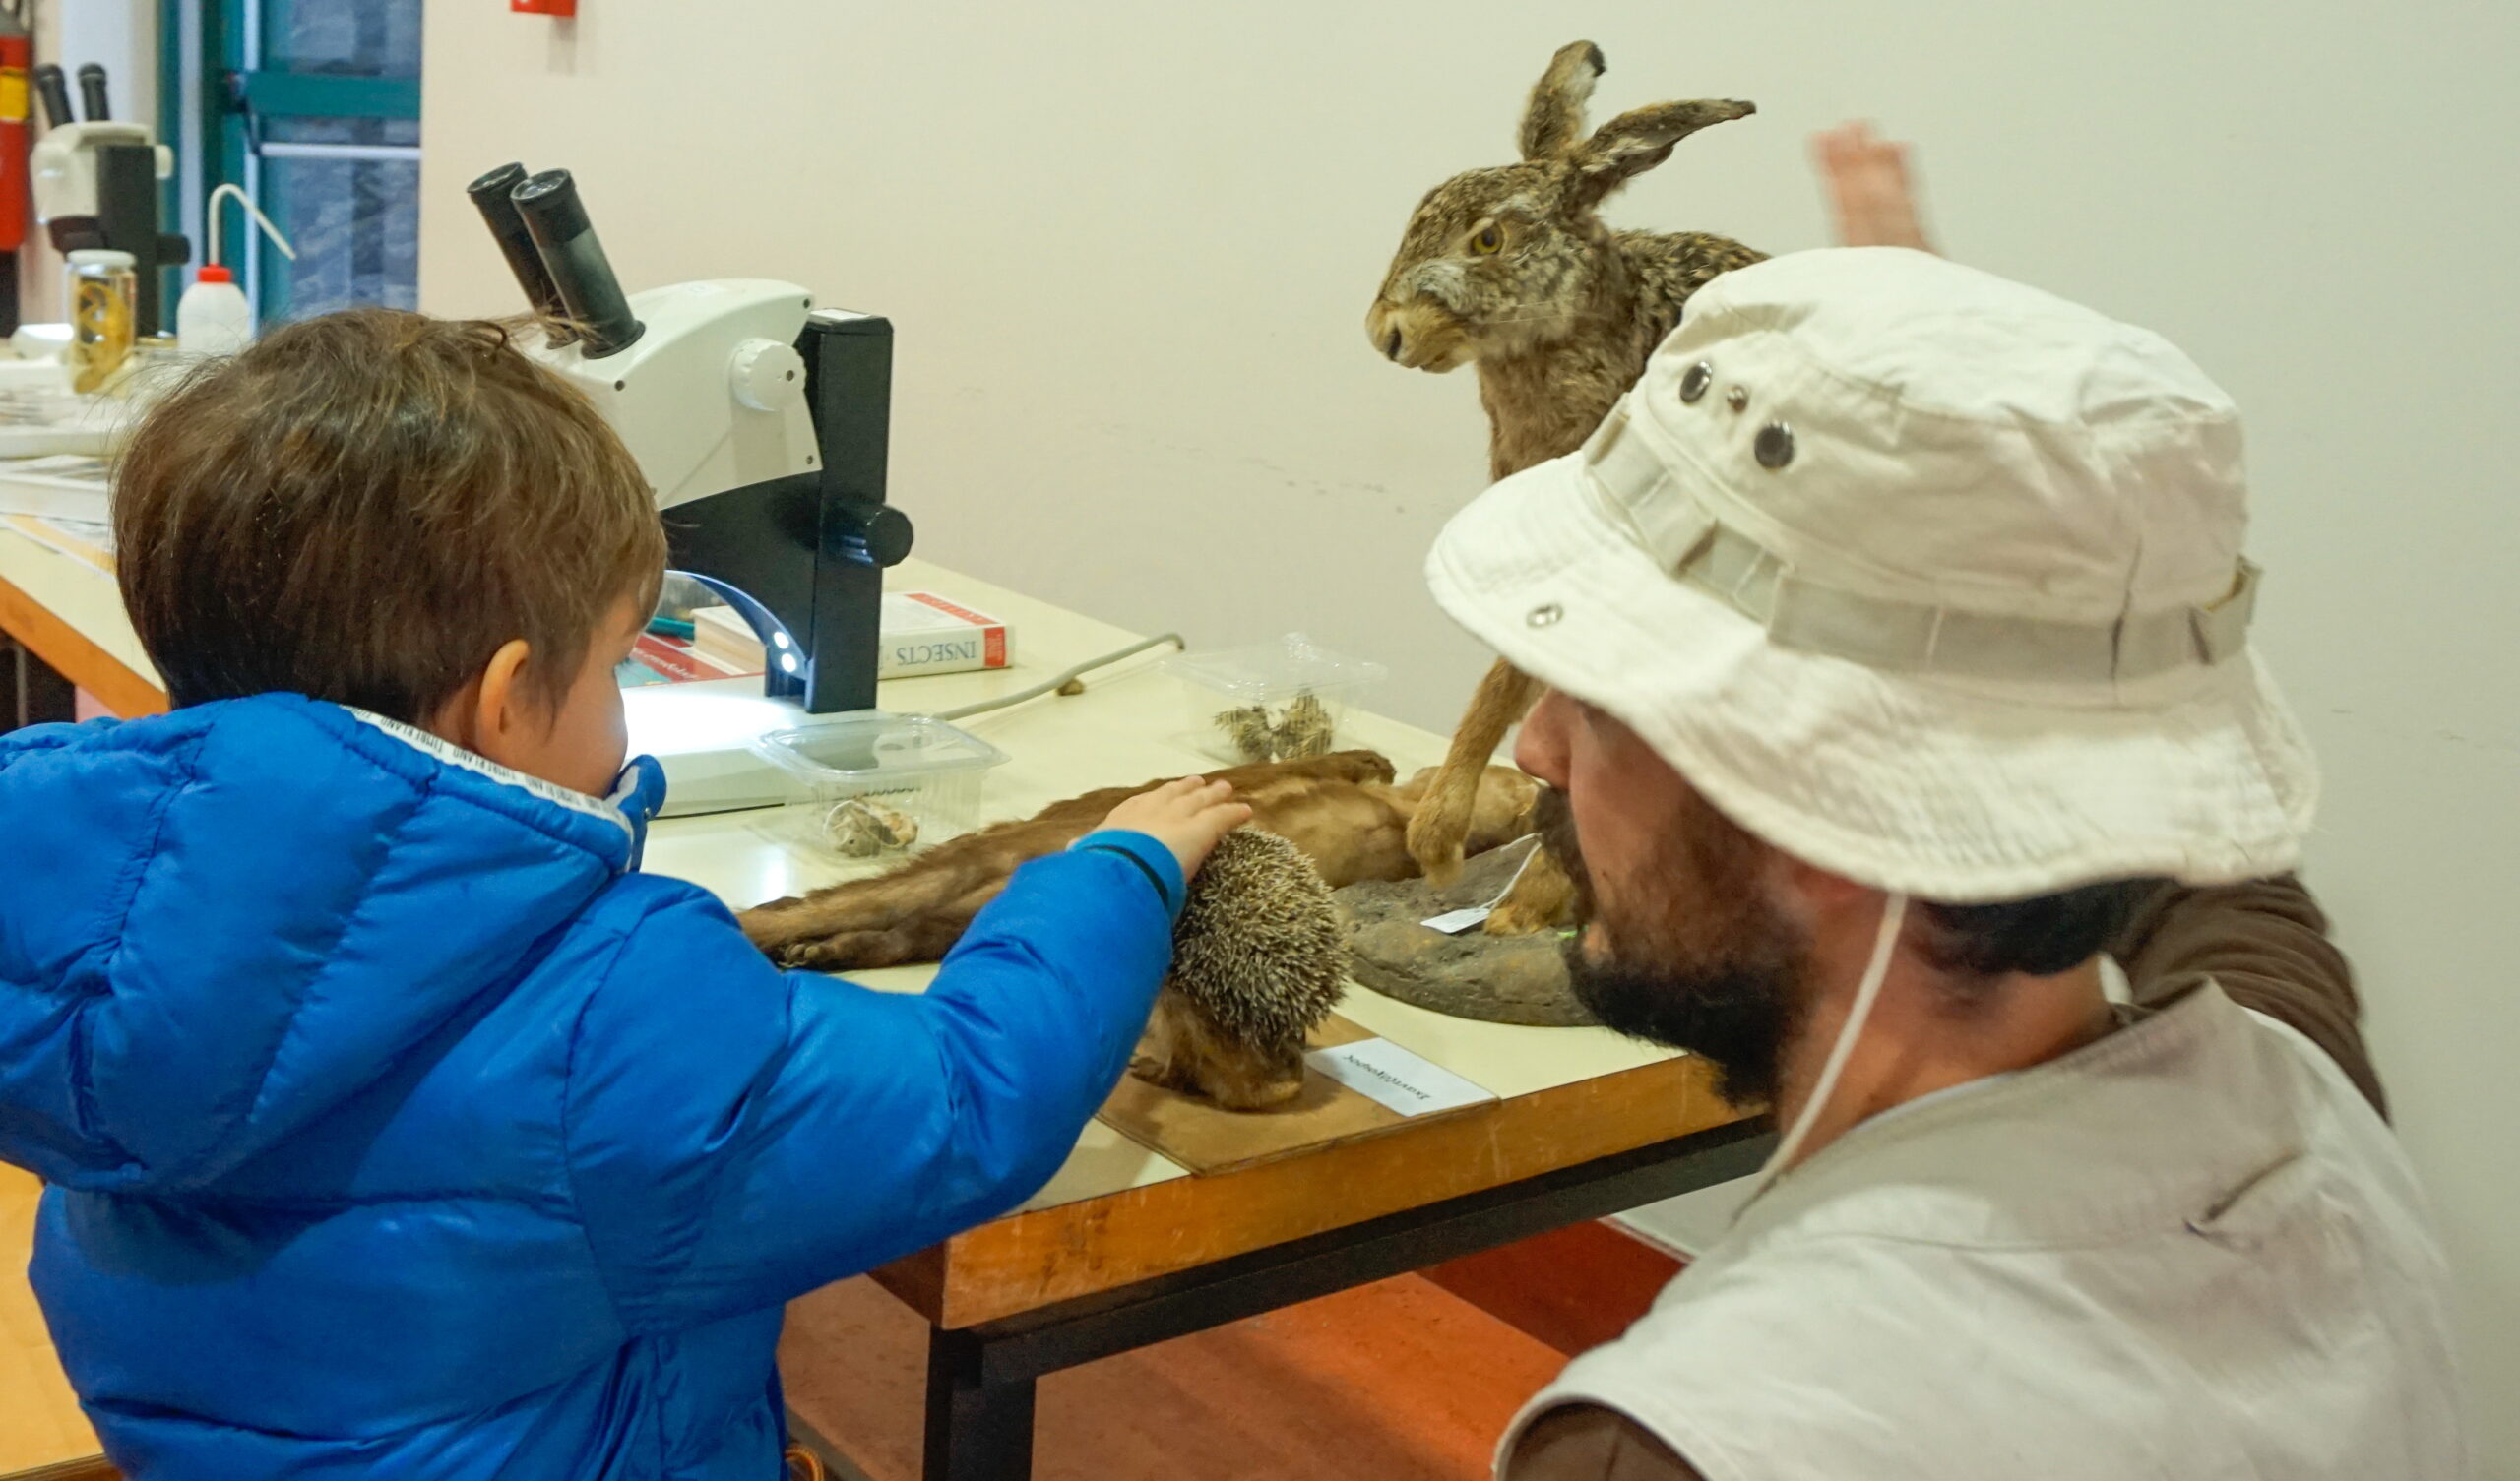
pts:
[75, 593]
[1130, 725]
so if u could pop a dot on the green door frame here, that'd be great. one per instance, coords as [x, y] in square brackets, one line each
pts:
[233, 91]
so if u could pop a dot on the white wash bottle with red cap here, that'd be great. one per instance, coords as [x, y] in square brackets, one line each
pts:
[213, 316]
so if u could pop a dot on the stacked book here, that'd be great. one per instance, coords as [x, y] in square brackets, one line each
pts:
[922, 633]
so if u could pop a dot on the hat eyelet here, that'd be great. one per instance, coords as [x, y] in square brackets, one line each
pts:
[1694, 384]
[1738, 398]
[1775, 446]
[1546, 615]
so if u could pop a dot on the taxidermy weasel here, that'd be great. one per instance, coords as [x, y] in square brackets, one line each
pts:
[1258, 955]
[1339, 811]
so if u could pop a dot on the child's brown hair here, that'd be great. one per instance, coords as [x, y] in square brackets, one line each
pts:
[365, 505]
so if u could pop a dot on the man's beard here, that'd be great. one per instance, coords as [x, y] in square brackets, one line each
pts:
[1716, 969]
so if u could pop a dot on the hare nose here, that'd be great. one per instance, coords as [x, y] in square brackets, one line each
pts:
[1391, 345]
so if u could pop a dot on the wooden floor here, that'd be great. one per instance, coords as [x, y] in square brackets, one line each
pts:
[40, 1425]
[1400, 1381]
[1408, 1380]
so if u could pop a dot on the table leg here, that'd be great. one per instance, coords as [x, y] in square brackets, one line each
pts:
[977, 1430]
[979, 1379]
[31, 693]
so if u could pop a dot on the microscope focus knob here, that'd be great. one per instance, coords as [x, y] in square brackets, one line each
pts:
[768, 375]
[882, 532]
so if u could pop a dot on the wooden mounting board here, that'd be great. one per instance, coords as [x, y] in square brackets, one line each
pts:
[1207, 1139]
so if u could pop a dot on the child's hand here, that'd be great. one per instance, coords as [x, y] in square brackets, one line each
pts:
[1187, 817]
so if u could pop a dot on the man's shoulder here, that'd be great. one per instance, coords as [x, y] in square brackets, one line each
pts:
[1741, 1348]
[2319, 1081]
[1998, 1268]
[1848, 1354]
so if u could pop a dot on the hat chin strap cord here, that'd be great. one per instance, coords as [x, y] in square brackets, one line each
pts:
[1894, 914]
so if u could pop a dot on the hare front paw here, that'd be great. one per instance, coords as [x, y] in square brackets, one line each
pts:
[1436, 835]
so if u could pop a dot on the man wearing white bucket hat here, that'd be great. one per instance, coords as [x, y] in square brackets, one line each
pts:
[1895, 628]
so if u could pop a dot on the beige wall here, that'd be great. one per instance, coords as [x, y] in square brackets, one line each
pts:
[1129, 247]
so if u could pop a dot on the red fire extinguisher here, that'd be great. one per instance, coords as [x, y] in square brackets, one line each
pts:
[17, 58]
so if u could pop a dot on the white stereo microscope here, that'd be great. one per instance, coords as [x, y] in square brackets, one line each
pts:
[761, 423]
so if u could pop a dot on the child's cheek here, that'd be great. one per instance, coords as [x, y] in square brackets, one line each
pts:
[610, 742]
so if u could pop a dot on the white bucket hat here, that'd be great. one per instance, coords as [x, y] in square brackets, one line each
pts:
[1925, 577]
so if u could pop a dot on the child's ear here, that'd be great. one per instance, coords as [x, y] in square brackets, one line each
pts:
[493, 712]
[511, 720]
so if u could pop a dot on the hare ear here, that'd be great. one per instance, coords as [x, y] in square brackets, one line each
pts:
[1642, 138]
[1556, 113]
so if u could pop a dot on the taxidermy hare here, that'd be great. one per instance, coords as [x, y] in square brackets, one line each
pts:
[1511, 269]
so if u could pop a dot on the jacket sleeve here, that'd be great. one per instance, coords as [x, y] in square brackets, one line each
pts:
[2266, 943]
[737, 1136]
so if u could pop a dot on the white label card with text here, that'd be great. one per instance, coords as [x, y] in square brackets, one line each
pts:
[1453, 923]
[1383, 1072]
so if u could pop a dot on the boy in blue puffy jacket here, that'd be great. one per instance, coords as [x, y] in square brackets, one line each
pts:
[395, 1127]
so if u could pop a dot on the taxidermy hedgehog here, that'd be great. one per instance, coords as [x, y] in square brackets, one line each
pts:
[1512, 269]
[1258, 961]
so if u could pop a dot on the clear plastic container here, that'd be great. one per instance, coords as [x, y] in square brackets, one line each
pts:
[1280, 701]
[864, 774]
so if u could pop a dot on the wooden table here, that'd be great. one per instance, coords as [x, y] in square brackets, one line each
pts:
[1123, 1248]
[61, 612]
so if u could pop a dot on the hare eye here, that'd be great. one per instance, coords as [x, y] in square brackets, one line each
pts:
[1487, 240]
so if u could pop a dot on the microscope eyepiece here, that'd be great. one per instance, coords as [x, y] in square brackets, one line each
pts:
[494, 194]
[92, 90]
[54, 89]
[557, 221]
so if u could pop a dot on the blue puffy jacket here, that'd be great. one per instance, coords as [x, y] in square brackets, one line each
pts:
[396, 1129]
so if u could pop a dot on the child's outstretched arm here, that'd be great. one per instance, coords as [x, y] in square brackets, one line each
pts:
[737, 1136]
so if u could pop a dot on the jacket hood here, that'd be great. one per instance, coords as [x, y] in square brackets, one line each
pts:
[219, 923]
